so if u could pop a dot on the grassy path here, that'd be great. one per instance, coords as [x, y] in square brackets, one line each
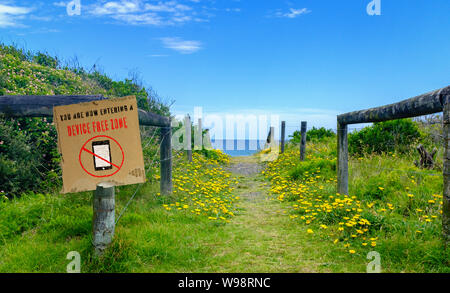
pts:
[262, 238]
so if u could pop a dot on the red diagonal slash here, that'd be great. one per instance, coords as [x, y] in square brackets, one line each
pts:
[86, 150]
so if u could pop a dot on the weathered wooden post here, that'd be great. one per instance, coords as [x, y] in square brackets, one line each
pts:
[303, 141]
[103, 223]
[188, 137]
[283, 133]
[342, 162]
[166, 160]
[446, 195]
[198, 136]
[272, 136]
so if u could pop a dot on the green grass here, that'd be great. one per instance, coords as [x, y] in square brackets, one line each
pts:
[383, 180]
[37, 231]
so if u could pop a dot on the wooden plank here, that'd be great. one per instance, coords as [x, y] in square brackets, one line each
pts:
[104, 217]
[152, 119]
[342, 162]
[425, 104]
[188, 140]
[446, 194]
[42, 106]
[39, 106]
[166, 160]
[303, 129]
[283, 134]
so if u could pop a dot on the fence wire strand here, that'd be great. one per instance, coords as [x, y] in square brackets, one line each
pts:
[148, 169]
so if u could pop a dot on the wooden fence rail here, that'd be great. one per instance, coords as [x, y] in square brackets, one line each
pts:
[429, 103]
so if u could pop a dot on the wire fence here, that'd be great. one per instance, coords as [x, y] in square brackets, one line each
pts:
[396, 132]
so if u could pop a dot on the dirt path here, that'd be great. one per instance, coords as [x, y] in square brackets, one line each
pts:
[262, 238]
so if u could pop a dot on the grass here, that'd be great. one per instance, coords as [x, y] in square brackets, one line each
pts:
[393, 207]
[262, 235]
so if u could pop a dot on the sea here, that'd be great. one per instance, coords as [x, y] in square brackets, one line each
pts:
[239, 147]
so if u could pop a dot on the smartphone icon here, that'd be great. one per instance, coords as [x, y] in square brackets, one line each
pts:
[102, 158]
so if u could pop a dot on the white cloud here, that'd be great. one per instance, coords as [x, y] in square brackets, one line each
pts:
[10, 16]
[293, 13]
[60, 4]
[122, 7]
[140, 12]
[181, 46]
[140, 19]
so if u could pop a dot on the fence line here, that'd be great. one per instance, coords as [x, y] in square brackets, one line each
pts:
[429, 103]
[104, 195]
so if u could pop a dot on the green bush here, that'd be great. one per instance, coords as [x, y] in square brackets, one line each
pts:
[46, 60]
[383, 137]
[314, 134]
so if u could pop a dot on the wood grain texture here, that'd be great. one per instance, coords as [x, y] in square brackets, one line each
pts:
[342, 161]
[104, 217]
[446, 195]
[425, 104]
[303, 129]
[42, 106]
[166, 160]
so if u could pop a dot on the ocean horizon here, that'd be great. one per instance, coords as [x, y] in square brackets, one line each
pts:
[239, 147]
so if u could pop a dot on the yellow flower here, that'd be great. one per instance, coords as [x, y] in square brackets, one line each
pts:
[351, 251]
[309, 231]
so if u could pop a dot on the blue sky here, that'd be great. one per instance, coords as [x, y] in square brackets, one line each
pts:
[303, 59]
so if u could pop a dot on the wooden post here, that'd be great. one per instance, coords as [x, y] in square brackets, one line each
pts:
[303, 141]
[103, 223]
[188, 138]
[198, 136]
[272, 136]
[283, 133]
[166, 160]
[446, 196]
[342, 162]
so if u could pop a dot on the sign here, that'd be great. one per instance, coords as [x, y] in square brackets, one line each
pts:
[99, 142]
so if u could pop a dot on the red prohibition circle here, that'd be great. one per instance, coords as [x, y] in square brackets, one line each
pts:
[83, 147]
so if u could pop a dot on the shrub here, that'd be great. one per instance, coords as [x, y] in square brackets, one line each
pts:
[384, 137]
[319, 134]
[314, 134]
[46, 60]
